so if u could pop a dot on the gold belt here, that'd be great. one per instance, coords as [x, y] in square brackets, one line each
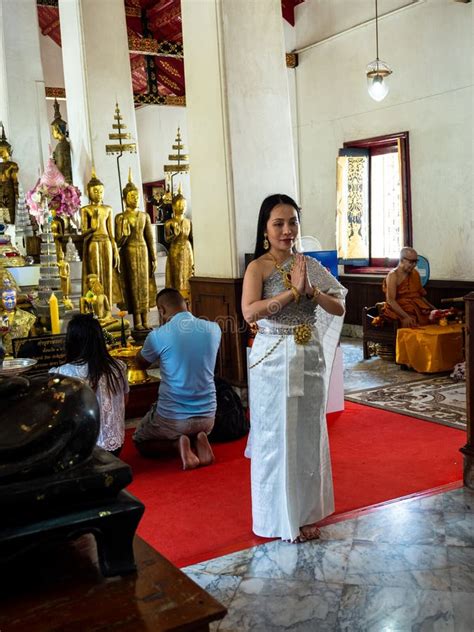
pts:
[302, 334]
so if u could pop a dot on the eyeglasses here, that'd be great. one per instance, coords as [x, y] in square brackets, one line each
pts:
[411, 260]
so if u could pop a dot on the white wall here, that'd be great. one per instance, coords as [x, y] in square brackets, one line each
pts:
[156, 133]
[22, 102]
[429, 47]
[52, 61]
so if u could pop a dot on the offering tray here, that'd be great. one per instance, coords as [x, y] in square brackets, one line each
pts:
[15, 366]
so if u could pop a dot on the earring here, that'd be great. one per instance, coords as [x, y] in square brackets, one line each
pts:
[266, 245]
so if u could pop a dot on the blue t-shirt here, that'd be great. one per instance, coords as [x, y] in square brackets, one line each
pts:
[187, 349]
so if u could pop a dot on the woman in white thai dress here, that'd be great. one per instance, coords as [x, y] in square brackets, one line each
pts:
[87, 359]
[298, 307]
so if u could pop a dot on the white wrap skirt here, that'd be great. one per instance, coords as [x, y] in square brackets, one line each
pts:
[288, 443]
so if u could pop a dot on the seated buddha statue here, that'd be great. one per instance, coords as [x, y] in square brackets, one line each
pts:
[180, 261]
[8, 180]
[96, 302]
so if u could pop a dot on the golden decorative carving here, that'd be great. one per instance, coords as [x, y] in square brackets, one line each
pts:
[159, 99]
[120, 135]
[133, 12]
[151, 46]
[55, 93]
[291, 60]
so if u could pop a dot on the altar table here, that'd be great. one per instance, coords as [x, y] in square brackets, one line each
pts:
[65, 591]
[430, 349]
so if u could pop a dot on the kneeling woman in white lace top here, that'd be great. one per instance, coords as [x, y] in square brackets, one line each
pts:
[87, 358]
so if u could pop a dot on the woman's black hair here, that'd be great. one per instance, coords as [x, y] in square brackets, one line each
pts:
[268, 205]
[85, 344]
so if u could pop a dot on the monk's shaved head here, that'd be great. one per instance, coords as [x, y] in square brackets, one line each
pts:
[406, 251]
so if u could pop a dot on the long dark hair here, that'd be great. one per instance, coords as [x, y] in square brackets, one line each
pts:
[85, 344]
[268, 205]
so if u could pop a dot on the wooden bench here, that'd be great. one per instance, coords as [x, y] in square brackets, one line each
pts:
[63, 589]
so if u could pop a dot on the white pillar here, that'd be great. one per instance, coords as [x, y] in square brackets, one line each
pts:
[96, 75]
[22, 95]
[239, 125]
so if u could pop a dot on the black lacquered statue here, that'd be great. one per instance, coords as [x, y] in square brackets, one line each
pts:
[47, 424]
[55, 483]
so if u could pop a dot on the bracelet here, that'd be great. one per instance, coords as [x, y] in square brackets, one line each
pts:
[296, 294]
[316, 293]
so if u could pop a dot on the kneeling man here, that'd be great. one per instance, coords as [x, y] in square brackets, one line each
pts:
[186, 348]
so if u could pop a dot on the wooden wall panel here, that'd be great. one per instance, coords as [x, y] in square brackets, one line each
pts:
[365, 291]
[219, 300]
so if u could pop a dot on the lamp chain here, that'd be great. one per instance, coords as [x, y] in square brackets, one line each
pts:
[377, 33]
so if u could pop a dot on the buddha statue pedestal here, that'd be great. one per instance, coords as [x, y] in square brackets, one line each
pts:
[56, 475]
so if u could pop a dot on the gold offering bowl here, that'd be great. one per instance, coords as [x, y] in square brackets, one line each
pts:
[135, 374]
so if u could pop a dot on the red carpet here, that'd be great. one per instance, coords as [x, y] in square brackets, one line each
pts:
[376, 455]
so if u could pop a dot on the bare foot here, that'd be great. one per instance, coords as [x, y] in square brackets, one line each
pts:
[204, 450]
[309, 532]
[189, 459]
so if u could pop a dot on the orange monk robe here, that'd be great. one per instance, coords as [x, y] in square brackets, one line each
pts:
[409, 296]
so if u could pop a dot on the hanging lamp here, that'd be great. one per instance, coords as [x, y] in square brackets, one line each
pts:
[377, 71]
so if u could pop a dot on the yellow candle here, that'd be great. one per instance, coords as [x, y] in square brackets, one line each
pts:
[54, 313]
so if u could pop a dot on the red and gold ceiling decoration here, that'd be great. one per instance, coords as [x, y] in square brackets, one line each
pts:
[155, 41]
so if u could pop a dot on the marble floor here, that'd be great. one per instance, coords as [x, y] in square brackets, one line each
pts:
[360, 373]
[408, 566]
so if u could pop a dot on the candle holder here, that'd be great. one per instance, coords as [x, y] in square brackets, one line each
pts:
[123, 337]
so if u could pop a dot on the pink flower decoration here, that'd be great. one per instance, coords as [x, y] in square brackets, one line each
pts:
[63, 198]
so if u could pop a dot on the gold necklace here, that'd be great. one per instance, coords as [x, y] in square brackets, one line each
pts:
[286, 276]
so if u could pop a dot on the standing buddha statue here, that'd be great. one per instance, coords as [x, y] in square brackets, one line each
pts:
[62, 151]
[137, 257]
[57, 229]
[65, 275]
[180, 261]
[8, 180]
[100, 254]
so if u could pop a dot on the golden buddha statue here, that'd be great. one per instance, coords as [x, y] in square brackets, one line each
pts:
[180, 261]
[100, 253]
[137, 257]
[8, 180]
[21, 298]
[96, 302]
[57, 229]
[62, 151]
[64, 275]
[14, 322]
